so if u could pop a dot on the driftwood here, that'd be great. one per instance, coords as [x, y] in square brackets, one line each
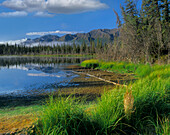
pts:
[100, 78]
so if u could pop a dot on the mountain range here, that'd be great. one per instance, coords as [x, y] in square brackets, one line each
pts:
[106, 35]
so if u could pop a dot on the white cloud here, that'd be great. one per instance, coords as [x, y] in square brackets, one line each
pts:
[50, 32]
[25, 5]
[54, 6]
[73, 6]
[13, 14]
[13, 42]
[43, 14]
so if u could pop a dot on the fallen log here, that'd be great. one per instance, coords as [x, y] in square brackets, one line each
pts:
[117, 84]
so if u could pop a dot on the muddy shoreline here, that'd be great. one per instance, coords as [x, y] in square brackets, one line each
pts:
[83, 86]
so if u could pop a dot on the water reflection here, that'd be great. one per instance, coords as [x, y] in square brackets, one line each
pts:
[28, 75]
[51, 61]
[43, 74]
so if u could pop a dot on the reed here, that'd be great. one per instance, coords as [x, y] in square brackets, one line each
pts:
[128, 103]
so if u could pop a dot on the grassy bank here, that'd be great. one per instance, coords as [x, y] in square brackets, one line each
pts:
[141, 108]
[141, 70]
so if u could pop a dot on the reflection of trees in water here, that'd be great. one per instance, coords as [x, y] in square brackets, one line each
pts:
[19, 61]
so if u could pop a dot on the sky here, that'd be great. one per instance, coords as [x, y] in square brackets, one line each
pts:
[20, 19]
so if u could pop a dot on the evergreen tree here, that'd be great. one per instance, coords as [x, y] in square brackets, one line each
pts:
[93, 47]
[165, 10]
[74, 48]
[83, 47]
[78, 49]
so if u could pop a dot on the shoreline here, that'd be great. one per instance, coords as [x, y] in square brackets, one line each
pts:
[83, 85]
[89, 89]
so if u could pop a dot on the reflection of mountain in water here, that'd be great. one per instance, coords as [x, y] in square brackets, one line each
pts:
[30, 76]
[44, 68]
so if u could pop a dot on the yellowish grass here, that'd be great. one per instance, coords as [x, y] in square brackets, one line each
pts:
[16, 123]
[128, 103]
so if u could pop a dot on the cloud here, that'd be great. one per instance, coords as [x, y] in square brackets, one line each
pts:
[13, 42]
[73, 6]
[44, 7]
[25, 5]
[50, 32]
[43, 14]
[13, 14]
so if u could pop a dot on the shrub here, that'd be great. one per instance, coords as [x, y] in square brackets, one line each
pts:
[90, 63]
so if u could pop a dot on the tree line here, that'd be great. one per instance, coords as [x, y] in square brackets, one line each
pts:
[64, 48]
[143, 37]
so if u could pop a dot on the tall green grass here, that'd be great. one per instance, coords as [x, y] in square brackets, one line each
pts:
[141, 70]
[64, 116]
[67, 116]
[116, 66]
[109, 113]
[107, 116]
[162, 126]
[151, 98]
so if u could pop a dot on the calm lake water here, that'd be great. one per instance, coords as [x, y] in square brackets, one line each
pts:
[23, 76]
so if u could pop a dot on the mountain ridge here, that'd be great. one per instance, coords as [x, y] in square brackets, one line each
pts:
[106, 35]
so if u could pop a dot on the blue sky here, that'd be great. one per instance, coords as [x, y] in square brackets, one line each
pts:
[21, 19]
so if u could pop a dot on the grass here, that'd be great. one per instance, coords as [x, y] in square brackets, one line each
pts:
[149, 106]
[17, 119]
[149, 112]
[141, 70]
[151, 99]
[13, 111]
[69, 116]
[64, 116]
[109, 113]
[162, 126]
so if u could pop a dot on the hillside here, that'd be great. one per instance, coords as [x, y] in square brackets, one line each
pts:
[106, 35]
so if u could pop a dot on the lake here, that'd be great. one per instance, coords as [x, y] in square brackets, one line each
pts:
[24, 76]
